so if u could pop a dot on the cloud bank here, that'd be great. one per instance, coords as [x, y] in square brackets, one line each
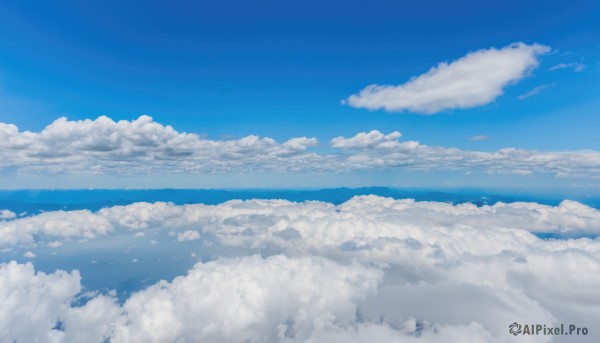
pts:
[139, 146]
[473, 80]
[244, 222]
[370, 269]
[375, 150]
[144, 147]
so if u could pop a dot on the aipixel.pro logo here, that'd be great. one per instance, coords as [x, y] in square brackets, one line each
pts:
[516, 329]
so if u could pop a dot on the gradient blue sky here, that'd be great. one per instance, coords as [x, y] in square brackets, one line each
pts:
[281, 68]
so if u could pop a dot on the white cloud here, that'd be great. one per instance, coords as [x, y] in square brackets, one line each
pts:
[36, 307]
[577, 67]
[6, 214]
[248, 299]
[412, 155]
[370, 269]
[189, 235]
[473, 80]
[145, 147]
[139, 146]
[532, 92]
[29, 254]
[479, 138]
[49, 225]
[284, 219]
[371, 140]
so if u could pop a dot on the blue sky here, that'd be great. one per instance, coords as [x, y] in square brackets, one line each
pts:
[228, 69]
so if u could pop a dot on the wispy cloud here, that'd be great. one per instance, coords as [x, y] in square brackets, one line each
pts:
[532, 92]
[473, 80]
[577, 67]
[479, 138]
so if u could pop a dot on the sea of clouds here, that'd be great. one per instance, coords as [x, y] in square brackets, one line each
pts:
[372, 269]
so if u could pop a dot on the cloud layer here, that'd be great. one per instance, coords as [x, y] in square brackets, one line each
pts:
[473, 80]
[369, 269]
[142, 146]
[414, 264]
[244, 222]
[230, 220]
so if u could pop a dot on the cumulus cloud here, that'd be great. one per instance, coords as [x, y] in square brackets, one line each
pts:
[36, 307]
[370, 269]
[378, 151]
[56, 224]
[248, 299]
[143, 146]
[6, 214]
[139, 146]
[189, 235]
[371, 140]
[473, 80]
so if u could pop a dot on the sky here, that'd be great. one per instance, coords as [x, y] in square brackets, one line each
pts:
[456, 85]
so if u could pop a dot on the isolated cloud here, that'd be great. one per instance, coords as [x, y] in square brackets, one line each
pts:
[143, 146]
[473, 80]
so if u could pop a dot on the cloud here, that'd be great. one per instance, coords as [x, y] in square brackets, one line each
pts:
[373, 139]
[370, 269]
[29, 254]
[189, 235]
[144, 147]
[50, 225]
[36, 307]
[473, 80]
[6, 214]
[479, 138]
[248, 299]
[373, 151]
[577, 67]
[532, 92]
[139, 146]
[230, 221]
